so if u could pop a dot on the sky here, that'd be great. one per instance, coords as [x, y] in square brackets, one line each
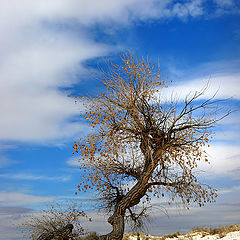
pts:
[49, 49]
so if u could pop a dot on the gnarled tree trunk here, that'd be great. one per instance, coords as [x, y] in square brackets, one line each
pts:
[117, 222]
[131, 199]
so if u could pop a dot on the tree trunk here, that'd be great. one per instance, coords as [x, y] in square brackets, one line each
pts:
[131, 199]
[117, 222]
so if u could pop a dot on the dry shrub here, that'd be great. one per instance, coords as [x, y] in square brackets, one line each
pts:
[90, 236]
[56, 216]
[226, 229]
[219, 230]
[202, 230]
[173, 235]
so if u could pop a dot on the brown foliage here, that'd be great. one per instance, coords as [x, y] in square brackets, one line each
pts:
[143, 147]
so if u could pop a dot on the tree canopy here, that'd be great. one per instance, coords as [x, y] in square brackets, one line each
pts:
[143, 146]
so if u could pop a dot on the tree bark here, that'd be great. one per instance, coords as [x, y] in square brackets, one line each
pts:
[117, 222]
[131, 199]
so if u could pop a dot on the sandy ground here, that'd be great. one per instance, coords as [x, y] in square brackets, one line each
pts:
[199, 236]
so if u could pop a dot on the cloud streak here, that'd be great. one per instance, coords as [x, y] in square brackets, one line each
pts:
[224, 161]
[224, 86]
[21, 199]
[73, 162]
[5, 162]
[22, 176]
[9, 217]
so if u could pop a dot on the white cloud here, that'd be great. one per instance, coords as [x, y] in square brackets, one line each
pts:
[8, 218]
[41, 53]
[119, 11]
[231, 135]
[226, 7]
[35, 177]
[213, 215]
[224, 3]
[4, 147]
[36, 61]
[232, 121]
[224, 161]
[225, 86]
[224, 153]
[192, 8]
[5, 161]
[33, 106]
[73, 162]
[229, 190]
[21, 199]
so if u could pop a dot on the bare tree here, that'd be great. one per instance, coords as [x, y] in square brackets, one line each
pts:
[143, 147]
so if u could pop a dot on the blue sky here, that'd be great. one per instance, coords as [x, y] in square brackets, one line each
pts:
[48, 49]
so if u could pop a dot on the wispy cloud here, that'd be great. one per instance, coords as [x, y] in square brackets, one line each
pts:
[4, 147]
[183, 221]
[5, 161]
[229, 190]
[73, 162]
[225, 86]
[36, 62]
[35, 177]
[21, 199]
[41, 52]
[33, 106]
[228, 135]
[226, 7]
[9, 217]
[224, 3]
[224, 161]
